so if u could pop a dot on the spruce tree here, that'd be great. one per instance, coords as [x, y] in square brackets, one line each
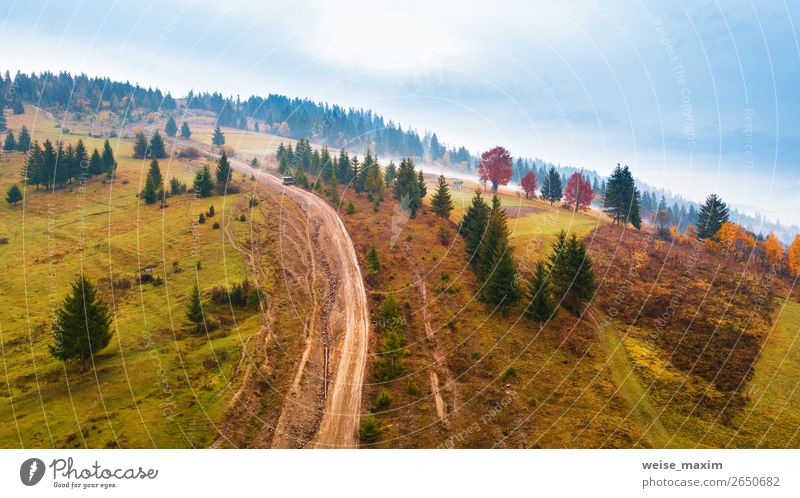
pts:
[95, 163]
[3, 123]
[441, 202]
[203, 184]
[223, 172]
[78, 166]
[713, 213]
[82, 325]
[10, 143]
[109, 163]
[186, 133]
[333, 188]
[218, 139]
[621, 200]
[423, 190]
[194, 308]
[23, 139]
[571, 271]
[14, 195]
[373, 265]
[406, 187]
[153, 184]
[140, 146]
[541, 305]
[157, 148]
[473, 226]
[552, 190]
[171, 128]
[497, 268]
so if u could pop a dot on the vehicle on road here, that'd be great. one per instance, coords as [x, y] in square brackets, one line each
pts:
[288, 180]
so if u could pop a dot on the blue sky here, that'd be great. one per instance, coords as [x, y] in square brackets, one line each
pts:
[698, 97]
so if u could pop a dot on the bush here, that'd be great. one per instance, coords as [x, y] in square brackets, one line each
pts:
[350, 209]
[189, 153]
[382, 400]
[210, 213]
[444, 236]
[242, 217]
[239, 295]
[369, 430]
[215, 226]
[201, 219]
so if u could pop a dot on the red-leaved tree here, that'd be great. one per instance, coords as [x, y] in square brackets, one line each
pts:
[529, 185]
[579, 192]
[495, 166]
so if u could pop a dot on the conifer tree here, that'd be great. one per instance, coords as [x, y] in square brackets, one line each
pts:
[373, 265]
[109, 163]
[223, 173]
[333, 188]
[390, 174]
[551, 186]
[713, 213]
[473, 226]
[423, 190]
[95, 163]
[194, 308]
[541, 305]
[218, 139]
[140, 146]
[621, 200]
[441, 202]
[186, 133]
[203, 184]
[497, 268]
[78, 165]
[343, 167]
[571, 271]
[157, 148]
[14, 195]
[10, 143]
[171, 128]
[153, 184]
[82, 324]
[23, 139]
[406, 187]
[3, 123]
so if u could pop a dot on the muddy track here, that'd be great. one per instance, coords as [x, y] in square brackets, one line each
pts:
[346, 332]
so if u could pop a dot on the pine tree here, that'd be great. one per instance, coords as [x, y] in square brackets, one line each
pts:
[713, 213]
[78, 165]
[423, 190]
[551, 186]
[223, 173]
[406, 187]
[390, 174]
[153, 184]
[219, 138]
[194, 308]
[441, 202]
[343, 167]
[186, 133]
[497, 268]
[571, 271]
[203, 184]
[541, 305]
[23, 139]
[82, 324]
[3, 123]
[157, 148]
[171, 128]
[14, 195]
[621, 200]
[10, 143]
[333, 188]
[373, 265]
[95, 163]
[473, 226]
[140, 146]
[109, 163]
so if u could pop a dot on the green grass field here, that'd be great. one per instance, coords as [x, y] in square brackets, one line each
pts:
[158, 382]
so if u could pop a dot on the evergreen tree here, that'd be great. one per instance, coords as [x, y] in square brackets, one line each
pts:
[441, 202]
[473, 226]
[109, 163]
[621, 200]
[23, 139]
[423, 190]
[203, 184]
[406, 187]
[541, 305]
[571, 271]
[3, 123]
[157, 148]
[14, 195]
[153, 184]
[390, 174]
[223, 173]
[82, 324]
[186, 133]
[140, 146]
[78, 165]
[713, 213]
[218, 139]
[333, 188]
[171, 128]
[11, 142]
[194, 308]
[343, 167]
[373, 265]
[551, 186]
[497, 268]
[17, 107]
[95, 163]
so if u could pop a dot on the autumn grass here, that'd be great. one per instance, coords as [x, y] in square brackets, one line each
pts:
[158, 383]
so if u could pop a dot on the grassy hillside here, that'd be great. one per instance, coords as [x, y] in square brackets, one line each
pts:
[158, 383]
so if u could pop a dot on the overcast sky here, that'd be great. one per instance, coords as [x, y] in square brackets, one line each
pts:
[697, 97]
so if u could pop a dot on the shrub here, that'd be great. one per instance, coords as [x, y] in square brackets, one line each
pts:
[350, 209]
[369, 430]
[189, 153]
[242, 217]
[215, 226]
[444, 236]
[210, 213]
[382, 400]
[201, 219]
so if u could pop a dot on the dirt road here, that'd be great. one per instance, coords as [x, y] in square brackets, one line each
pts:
[348, 323]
